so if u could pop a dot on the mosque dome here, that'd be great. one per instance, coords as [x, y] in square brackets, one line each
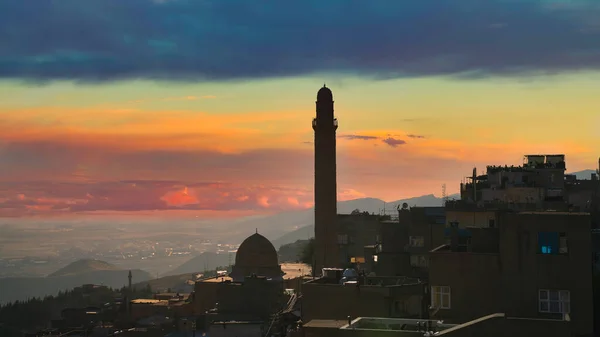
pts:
[324, 94]
[256, 251]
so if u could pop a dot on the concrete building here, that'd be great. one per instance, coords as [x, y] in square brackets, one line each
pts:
[354, 232]
[539, 183]
[328, 298]
[325, 126]
[533, 265]
[403, 245]
[494, 325]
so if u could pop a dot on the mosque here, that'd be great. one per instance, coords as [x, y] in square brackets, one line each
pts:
[254, 289]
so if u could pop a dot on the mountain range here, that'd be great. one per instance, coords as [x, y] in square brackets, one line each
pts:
[288, 227]
[73, 275]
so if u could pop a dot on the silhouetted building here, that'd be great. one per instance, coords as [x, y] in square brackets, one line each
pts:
[253, 290]
[338, 295]
[256, 256]
[530, 265]
[325, 126]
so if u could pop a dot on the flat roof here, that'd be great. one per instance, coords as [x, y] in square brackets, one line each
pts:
[326, 323]
[554, 213]
[291, 270]
[217, 279]
[148, 301]
[395, 324]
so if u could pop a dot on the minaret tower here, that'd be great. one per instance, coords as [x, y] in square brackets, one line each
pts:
[129, 277]
[325, 126]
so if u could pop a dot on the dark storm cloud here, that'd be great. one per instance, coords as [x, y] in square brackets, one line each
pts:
[96, 40]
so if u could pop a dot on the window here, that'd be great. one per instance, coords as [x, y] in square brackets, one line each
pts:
[416, 241]
[563, 248]
[552, 243]
[374, 258]
[343, 239]
[440, 297]
[419, 261]
[554, 301]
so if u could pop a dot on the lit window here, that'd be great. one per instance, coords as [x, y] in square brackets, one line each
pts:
[440, 297]
[552, 243]
[417, 241]
[374, 258]
[554, 301]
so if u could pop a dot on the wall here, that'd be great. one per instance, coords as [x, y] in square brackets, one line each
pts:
[474, 281]
[333, 301]
[362, 230]
[256, 298]
[499, 326]
[525, 271]
[235, 330]
[475, 218]
[205, 296]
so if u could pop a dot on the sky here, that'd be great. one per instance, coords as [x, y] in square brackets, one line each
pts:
[140, 106]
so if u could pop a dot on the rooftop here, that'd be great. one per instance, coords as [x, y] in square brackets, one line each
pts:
[396, 324]
[291, 270]
[149, 301]
[555, 213]
[325, 323]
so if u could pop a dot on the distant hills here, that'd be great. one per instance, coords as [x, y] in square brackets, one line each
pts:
[304, 220]
[584, 175]
[203, 262]
[73, 275]
[83, 266]
[289, 227]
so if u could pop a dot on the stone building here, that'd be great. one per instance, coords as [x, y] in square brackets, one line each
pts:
[253, 290]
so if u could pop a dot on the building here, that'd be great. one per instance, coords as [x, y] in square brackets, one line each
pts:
[331, 298]
[256, 256]
[325, 125]
[253, 290]
[354, 232]
[494, 325]
[403, 245]
[532, 265]
[539, 183]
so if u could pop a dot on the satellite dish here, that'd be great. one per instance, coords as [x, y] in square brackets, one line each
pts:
[404, 206]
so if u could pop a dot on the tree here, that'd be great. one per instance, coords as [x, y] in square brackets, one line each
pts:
[307, 254]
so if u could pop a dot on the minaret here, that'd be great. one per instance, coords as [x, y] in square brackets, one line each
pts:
[325, 126]
[130, 277]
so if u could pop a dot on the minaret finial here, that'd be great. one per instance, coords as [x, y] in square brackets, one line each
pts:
[324, 85]
[257, 231]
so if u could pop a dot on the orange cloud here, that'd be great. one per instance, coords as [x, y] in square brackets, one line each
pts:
[101, 147]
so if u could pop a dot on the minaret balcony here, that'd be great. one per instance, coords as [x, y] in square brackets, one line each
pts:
[314, 124]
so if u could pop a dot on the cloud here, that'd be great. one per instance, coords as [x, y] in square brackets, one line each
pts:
[415, 136]
[37, 198]
[98, 40]
[358, 137]
[393, 142]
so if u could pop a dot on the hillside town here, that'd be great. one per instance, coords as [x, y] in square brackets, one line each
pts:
[516, 255]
